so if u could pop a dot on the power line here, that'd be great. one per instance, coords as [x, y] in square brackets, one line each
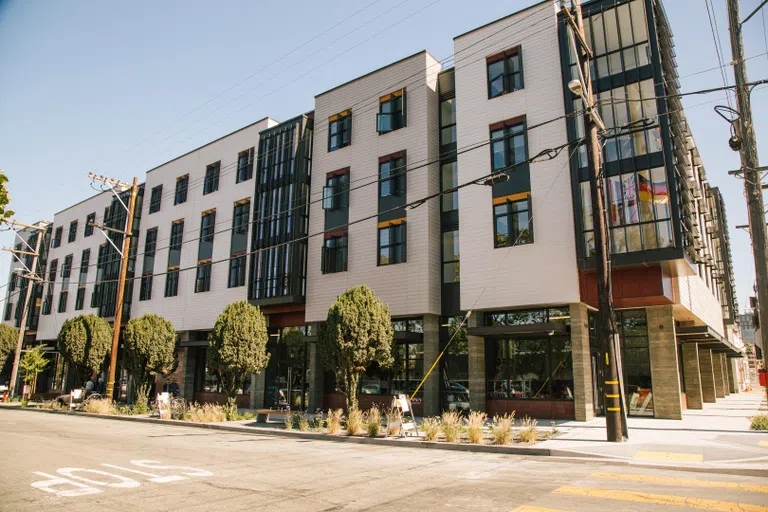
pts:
[718, 44]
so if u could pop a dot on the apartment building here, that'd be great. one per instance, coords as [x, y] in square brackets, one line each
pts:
[460, 195]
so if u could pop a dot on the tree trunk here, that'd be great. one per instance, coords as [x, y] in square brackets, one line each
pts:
[351, 379]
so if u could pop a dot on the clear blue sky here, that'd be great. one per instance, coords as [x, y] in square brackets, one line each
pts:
[92, 85]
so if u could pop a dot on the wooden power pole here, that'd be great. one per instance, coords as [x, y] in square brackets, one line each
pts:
[606, 324]
[25, 308]
[123, 270]
[745, 130]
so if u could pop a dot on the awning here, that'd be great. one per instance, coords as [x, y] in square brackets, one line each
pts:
[506, 331]
[706, 337]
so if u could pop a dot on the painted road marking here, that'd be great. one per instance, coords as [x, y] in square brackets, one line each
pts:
[73, 482]
[530, 508]
[660, 499]
[764, 444]
[683, 481]
[669, 456]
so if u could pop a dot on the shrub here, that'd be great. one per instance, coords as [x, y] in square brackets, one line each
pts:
[475, 423]
[759, 422]
[54, 405]
[373, 422]
[394, 419]
[334, 421]
[528, 432]
[317, 422]
[354, 422]
[142, 399]
[451, 426]
[247, 416]
[206, 413]
[230, 410]
[99, 406]
[288, 421]
[303, 422]
[502, 428]
[431, 428]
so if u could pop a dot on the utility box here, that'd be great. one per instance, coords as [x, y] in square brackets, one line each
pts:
[763, 375]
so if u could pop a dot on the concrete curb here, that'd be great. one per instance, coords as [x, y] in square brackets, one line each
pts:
[553, 455]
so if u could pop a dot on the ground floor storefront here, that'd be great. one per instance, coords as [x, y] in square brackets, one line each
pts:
[542, 363]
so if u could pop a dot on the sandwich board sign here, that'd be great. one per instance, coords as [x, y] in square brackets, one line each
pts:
[75, 396]
[164, 405]
[406, 426]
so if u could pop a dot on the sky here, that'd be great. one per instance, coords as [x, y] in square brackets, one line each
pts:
[118, 88]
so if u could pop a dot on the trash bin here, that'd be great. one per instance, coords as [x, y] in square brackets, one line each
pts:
[763, 375]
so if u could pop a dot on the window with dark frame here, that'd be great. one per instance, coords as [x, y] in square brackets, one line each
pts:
[57, 237]
[211, 182]
[48, 301]
[147, 276]
[203, 278]
[239, 243]
[155, 199]
[336, 191]
[182, 184]
[82, 279]
[8, 312]
[512, 222]
[334, 256]
[245, 165]
[72, 235]
[505, 72]
[392, 176]
[66, 272]
[174, 258]
[448, 121]
[392, 243]
[392, 112]
[508, 144]
[451, 258]
[89, 220]
[339, 130]
[205, 251]
[172, 283]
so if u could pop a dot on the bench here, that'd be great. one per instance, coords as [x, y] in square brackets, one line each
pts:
[262, 415]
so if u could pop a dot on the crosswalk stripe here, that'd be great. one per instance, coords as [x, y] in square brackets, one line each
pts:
[530, 508]
[669, 456]
[661, 499]
[683, 481]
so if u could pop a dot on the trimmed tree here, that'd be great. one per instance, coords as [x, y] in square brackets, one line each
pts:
[358, 332]
[150, 341]
[8, 338]
[238, 345]
[31, 365]
[85, 341]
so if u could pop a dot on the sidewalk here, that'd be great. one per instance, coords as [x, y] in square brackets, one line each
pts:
[718, 435]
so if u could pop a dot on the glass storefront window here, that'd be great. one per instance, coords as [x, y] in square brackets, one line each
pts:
[287, 373]
[528, 316]
[454, 366]
[529, 368]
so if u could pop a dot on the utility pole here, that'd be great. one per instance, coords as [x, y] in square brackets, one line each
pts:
[606, 323]
[31, 278]
[112, 183]
[750, 165]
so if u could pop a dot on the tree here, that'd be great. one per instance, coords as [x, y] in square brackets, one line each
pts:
[5, 198]
[150, 341]
[357, 332]
[8, 339]
[238, 345]
[85, 341]
[32, 364]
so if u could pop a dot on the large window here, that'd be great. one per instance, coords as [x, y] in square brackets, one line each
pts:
[182, 184]
[334, 258]
[245, 165]
[635, 361]
[448, 121]
[336, 191]
[236, 272]
[454, 365]
[72, 235]
[89, 220]
[512, 221]
[172, 283]
[505, 72]
[57, 237]
[239, 243]
[174, 258]
[407, 369]
[508, 146]
[392, 177]
[205, 251]
[535, 368]
[392, 112]
[82, 279]
[211, 183]
[150, 246]
[638, 212]
[155, 199]
[340, 130]
[451, 256]
[392, 242]
[449, 178]
[203, 279]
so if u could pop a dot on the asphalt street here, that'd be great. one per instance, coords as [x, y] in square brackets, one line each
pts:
[61, 463]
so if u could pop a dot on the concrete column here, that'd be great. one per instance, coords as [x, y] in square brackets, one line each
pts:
[732, 381]
[691, 367]
[316, 375]
[187, 383]
[431, 388]
[662, 343]
[476, 366]
[726, 380]
[707, 373]
[583, 397]
[258, 385]
[717, 365]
